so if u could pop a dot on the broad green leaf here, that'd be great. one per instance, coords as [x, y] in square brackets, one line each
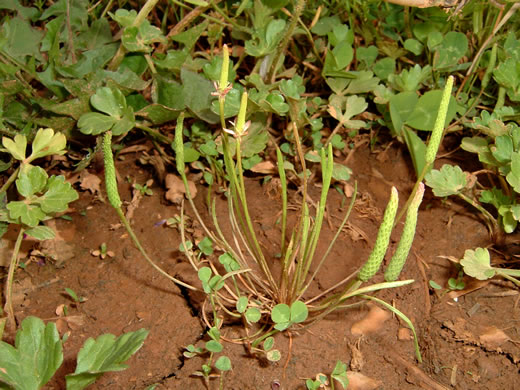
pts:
[231, 104]
[41, 232]
[299, 312]
[450, 180]
[401, 107]
[507, 73]
[34, 359]
[253, 314]
[281, 313]
[111, 101]
[168, 92]
[452, 48]
[47, 143]
[214, 346]
[223, 363]
[58, 195]
[125, 123]
[477, 264]
[206, 246]
[104, 354]
[513, 177]
[204, 274]
[17, 147]
[158, 113]
[384, 67]
[341, 172]
[21, 39]
[367, 55]
[340, 374]
[425, 111]
[414, 46]
[273, 355]
[29, 214]
[241, 304]
[417, 149]
[474, 144]
[124, 17]
[31, 180]
[95, 123]
[197, 95]
[503, 148]
[212, 70]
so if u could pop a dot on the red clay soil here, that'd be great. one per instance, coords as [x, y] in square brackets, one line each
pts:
[468, 339]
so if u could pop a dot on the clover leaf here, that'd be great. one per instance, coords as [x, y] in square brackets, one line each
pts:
[477, 263]
[284, 316]
[34, 359]
[450, 180]
[119, 116]
[32, 181]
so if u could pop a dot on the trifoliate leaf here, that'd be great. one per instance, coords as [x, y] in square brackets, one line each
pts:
[450, 180]
[104, 354]
[477, 264]
[29, 214]
[34, 359]
[57, 196]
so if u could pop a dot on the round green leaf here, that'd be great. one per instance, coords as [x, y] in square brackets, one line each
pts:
[299, 312]
[273, 355]
[242, 304]
[268, 344]
[223, 363]
[281, 313]
[214, 346]
[253, 314]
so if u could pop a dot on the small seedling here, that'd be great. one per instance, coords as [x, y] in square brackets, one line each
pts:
[339, 374]
[77, 299]
[144, 189]
[102, 252]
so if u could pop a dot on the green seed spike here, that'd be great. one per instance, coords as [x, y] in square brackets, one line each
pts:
[405, 243]
[110, 172]
[383, 239]
[438, 128]
[224, 71]
[178, 145]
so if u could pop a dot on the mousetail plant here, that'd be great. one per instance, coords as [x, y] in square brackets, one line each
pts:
[115, 202]
[250, 288]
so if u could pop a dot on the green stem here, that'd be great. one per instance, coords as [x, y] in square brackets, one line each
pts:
[155, 134]
[491, 222]
[11, 321]
[136, 242]
[9, 181]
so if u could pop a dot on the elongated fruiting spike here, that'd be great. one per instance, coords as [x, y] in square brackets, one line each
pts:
[383, 239]
[224, 71]
[241, 126]
[438, 128]
[110, 172]
[178, 145]
[405, 243]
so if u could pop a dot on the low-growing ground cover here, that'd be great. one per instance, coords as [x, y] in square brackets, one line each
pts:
[214, 187]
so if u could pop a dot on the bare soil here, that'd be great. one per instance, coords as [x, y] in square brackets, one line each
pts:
[469, 339]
